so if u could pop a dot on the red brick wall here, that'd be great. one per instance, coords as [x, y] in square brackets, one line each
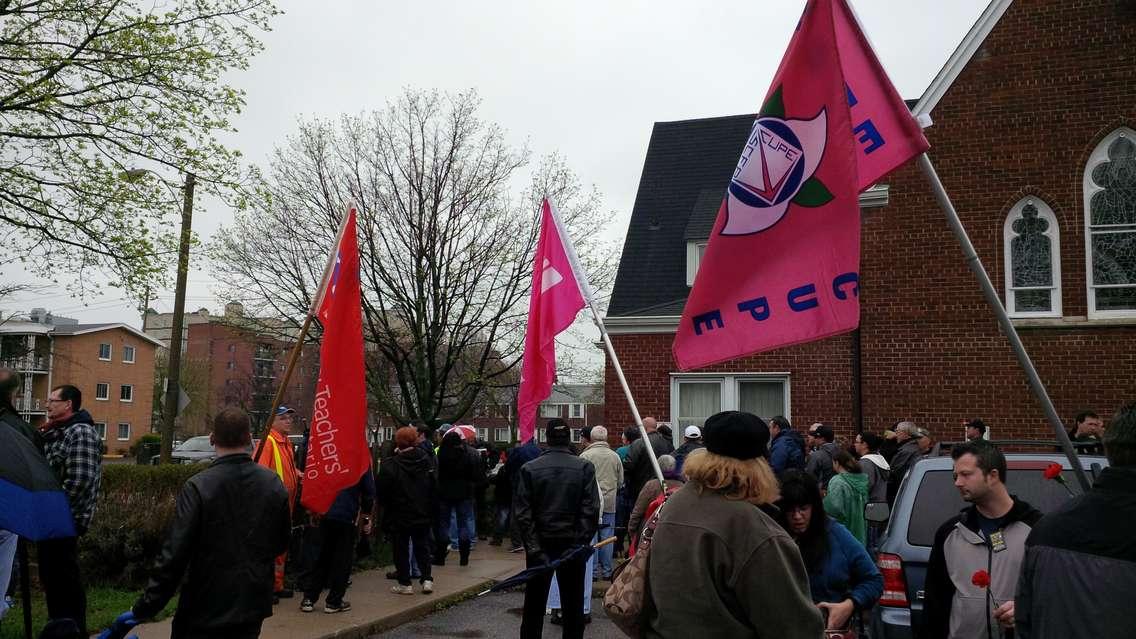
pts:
[1051, 80]
[820, 380]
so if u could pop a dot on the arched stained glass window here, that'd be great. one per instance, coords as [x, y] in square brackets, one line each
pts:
[1110, 225]
[1032, 245]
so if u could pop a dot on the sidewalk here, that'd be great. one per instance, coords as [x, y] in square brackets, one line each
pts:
[374, 607]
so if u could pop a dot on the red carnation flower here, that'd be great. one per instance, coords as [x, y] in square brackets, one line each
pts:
[1053, 471]
[980, 578]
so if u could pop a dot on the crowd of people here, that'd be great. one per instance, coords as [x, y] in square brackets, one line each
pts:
[757, 530]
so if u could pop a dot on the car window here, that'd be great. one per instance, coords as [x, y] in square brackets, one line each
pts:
[938, 500]
[196, 445]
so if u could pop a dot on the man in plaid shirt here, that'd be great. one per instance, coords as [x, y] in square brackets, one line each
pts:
[74, 452]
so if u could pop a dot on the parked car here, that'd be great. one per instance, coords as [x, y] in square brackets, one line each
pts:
[195, 450]
[927, 498]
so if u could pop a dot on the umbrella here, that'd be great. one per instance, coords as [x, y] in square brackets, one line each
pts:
[468, 433]
[32, 504]
[576, 553]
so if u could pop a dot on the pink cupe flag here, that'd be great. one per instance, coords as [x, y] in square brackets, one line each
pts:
[557, 296]
[783, 259]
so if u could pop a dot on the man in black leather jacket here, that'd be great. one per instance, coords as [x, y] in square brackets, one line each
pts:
[556, 504]
[232, 521]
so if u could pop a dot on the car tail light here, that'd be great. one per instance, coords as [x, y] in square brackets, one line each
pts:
[895, 585]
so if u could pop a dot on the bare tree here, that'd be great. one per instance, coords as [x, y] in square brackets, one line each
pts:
[447, 229]
[91, 89]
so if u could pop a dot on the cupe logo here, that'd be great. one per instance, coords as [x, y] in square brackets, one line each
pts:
[775, 169]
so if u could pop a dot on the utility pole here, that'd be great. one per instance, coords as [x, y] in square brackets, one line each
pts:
[173, 376]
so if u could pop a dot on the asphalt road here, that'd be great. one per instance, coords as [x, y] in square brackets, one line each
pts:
[494, 615]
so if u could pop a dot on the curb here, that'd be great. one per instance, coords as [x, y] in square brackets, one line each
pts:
[426, 608]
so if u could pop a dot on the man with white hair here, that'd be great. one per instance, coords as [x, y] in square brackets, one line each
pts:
[609, 474]
[912, 443]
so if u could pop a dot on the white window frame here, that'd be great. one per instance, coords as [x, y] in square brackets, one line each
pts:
[106, 396]
[1088, 190]
[508, 431]
[546, 410]
[729, 385]
[118, 433]
[541, 437]
[1045, 212]
[127, 348]
[574, 435]
[483, 433]
[122, 388]
[101, 430]
[576, 411]
[388, 433]
[695, 251]
[110, 352]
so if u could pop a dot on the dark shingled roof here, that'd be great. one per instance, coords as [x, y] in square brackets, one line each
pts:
[685, 174]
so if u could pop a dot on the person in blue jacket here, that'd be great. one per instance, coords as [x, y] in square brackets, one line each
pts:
[842, 577]
[786, 448]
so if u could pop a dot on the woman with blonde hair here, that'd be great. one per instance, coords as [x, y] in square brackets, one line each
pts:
[719, 566]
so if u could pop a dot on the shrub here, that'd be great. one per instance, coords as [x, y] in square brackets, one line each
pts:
[148, 438]
[134, 511]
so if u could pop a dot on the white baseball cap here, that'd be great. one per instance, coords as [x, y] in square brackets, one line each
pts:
[692, 432]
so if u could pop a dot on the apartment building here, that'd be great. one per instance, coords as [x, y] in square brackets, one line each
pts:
[111, 364]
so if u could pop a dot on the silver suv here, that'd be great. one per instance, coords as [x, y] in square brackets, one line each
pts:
[927, 498]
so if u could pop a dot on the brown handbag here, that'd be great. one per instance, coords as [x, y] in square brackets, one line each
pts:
[626, 599]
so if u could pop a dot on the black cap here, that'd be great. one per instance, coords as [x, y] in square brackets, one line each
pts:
[736, 434]
[557, 432]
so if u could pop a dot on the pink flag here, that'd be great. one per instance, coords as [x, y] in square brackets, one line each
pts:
[782, 263]
[337, 447]
[556, 299]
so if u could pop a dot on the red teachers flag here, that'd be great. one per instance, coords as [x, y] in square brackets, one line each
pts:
[782, 264]
[337, 446]
[556, 299]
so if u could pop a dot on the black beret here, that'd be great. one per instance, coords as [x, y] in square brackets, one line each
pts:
[736, 434]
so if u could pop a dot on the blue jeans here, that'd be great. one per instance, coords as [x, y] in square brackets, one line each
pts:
[554, 591]
[8, 542]
[461, 510]
[602, 558]
[471, 524]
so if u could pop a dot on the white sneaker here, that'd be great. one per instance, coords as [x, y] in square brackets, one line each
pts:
[427, 587]
[402, 590]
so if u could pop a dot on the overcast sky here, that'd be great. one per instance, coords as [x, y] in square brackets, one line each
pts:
[585, 78]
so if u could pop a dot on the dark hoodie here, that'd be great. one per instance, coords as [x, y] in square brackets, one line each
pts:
[819, 464]
[407, 490]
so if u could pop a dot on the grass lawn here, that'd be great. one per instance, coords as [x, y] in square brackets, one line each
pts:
[103, 605]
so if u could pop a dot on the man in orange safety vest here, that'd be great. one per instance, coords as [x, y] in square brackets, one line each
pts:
[277, 455]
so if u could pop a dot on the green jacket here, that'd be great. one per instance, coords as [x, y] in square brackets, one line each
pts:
[845, 501]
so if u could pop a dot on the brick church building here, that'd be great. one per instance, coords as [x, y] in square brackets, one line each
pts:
[1034, 137]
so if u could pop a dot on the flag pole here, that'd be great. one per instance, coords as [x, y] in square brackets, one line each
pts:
[586, 289]
[995, 303]
[297, 348]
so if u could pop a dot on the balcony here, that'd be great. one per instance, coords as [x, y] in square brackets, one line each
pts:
[26, 364]
[29, 406]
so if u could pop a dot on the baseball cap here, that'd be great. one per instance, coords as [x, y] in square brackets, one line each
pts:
[557, 430]
[283, 410]
[692, 432]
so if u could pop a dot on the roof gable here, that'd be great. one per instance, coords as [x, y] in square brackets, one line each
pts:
[83, 329]
[961, 57]
[685, 173]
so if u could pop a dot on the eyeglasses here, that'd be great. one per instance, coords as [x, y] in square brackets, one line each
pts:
[52, 400]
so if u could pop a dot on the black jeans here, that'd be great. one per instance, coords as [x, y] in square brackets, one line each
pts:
[570, 577]
[62, 582]
[333, 568]
[401, 539]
